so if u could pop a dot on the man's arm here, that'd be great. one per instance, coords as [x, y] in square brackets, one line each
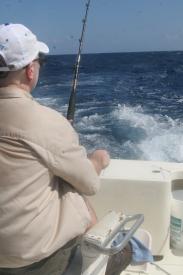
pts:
[66, 158]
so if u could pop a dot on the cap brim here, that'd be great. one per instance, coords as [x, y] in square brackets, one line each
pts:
[43, 48]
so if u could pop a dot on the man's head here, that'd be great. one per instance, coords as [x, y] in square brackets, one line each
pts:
[19, 55]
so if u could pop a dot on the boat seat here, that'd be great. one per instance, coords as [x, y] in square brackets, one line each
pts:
[91, 257]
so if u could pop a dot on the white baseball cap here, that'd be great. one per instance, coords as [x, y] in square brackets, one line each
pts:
[18, 47]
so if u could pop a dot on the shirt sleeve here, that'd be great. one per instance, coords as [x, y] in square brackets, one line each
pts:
[74, 167]
[66, 158]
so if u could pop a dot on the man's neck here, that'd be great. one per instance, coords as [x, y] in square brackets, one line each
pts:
[15, 86]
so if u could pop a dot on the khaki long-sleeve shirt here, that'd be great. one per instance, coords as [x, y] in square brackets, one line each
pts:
[39, 154]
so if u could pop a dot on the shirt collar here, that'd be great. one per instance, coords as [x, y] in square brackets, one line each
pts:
[13, 92]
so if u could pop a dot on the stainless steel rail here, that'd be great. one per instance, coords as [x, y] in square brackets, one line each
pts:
[138, 220]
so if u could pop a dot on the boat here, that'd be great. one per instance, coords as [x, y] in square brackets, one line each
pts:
[139, 189]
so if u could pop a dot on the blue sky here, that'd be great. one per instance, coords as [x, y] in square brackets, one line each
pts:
[113, 25]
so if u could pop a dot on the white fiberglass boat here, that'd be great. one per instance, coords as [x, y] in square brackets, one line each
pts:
[140, 187]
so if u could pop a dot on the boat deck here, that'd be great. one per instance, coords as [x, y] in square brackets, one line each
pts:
[170, 265]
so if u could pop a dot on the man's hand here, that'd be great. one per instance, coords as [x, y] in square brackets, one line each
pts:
[100, 160]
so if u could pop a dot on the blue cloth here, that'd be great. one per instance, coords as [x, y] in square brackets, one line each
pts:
[140, 253]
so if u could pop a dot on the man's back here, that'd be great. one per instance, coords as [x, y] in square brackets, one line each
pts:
[39, 211]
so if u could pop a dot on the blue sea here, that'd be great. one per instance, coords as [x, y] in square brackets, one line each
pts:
[128, 103]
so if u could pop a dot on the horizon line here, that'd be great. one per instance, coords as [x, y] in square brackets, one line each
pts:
[125, 52]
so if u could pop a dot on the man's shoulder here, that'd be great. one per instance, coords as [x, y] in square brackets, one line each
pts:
[47, 113]
[52, 121]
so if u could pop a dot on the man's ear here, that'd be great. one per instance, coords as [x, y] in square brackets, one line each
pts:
[30, 71]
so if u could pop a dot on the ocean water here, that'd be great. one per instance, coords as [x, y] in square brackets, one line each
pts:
[128, 103]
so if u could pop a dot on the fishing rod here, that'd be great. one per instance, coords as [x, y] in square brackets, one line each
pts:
[72, 99]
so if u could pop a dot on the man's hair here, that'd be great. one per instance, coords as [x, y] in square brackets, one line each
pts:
[3, 64]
